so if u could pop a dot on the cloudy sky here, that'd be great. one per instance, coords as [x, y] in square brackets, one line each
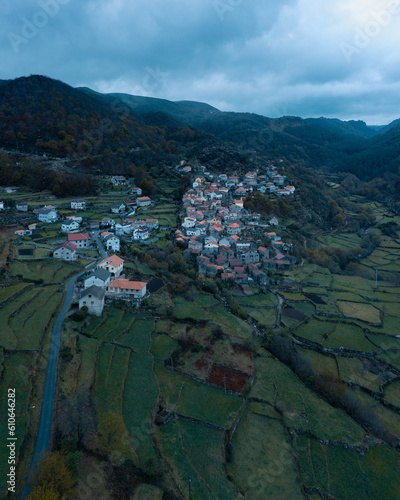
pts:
[338, 58]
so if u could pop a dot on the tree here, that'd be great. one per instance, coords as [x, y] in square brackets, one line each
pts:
[113, 434]
[44, 493]
[52, 474]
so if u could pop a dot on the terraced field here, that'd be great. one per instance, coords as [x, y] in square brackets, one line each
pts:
[242, 425]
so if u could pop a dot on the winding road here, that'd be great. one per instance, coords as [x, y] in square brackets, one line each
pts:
[46, 414]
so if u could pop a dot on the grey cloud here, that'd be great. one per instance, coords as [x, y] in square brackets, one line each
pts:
[301, 57]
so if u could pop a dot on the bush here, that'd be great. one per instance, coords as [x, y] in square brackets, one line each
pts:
[66, 354]
[81, 314]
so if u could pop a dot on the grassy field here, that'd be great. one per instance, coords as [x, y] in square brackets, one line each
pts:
[392, 393]
[185, 309]
[356, 371]
[197, 452]
[232, 324]
[265, 300]
[263, 468]
[162, 346]
[8, 292]
[263, 316]
[193, 399]
[319, 362]
[300, 406]
[364, 312]
[138, 337]
[24, 319]
[14, 376]
[139, 399]
[50, 271]
[329, 469]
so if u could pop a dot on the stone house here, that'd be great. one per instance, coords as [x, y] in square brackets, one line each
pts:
[93, 299]
[65, 251]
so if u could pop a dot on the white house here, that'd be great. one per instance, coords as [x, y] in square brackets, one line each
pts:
[118, 180]
[112, 242]
[140, 233]
[136, 191]
[125, 288]
[69, 226]
[65, 251]
[74, 218]
[47, 215]
[123, 229]
[100, 277]
[107, 222]
[189, 222]
[284, 192]
[81, 240]
[93, 299]
[234, 228]
[2, 205]
[113, 264]
[151, 223]
[144, 201]
[274, 221]
[78, 204]
[117, 208]
[22, 207]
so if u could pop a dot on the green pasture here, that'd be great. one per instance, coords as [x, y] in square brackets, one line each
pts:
[197, 400]
[329, 468]
[263, 465]
[301, 407]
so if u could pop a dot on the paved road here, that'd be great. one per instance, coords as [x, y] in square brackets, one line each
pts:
[46, 415]
[100, 247]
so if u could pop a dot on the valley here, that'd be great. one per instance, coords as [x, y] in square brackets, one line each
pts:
[187, 388]
[235, 332]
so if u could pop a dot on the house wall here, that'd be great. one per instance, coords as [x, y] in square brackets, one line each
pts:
[93, 280]
[94, 305]
[64, 254]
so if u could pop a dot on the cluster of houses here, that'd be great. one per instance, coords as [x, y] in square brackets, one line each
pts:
[26, 232]
[137, 229]
[106, 281]
[67, 250]
[269, 181]
[131, 204]
[223, 238]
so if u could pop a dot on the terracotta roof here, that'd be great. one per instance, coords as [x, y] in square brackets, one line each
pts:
[68, 245]
[79, 236]
[114, 260]
[127, 285]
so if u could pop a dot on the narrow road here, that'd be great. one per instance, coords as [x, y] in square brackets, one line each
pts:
[100, 247]
[46, 414]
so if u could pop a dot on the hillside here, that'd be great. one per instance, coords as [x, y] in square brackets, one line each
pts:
[90, 132]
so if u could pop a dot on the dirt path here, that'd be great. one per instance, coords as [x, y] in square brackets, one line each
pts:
[279, 311]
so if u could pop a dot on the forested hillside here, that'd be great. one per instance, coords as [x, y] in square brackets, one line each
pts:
[115, 133]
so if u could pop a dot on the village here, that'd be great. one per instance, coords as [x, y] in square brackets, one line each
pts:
[104, 279]
[216, 233]
[226, 240]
